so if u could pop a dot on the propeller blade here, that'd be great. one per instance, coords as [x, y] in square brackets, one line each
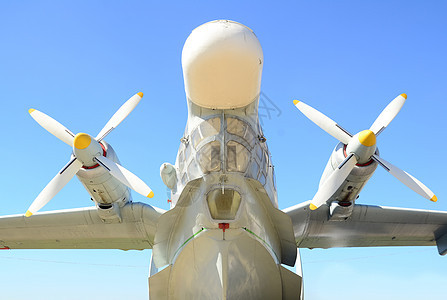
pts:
[333, 183]
[125, 176]
[54, 186]
[388, 114]
[406, 179]
[119, 116]
[324, 122]
[53, 126]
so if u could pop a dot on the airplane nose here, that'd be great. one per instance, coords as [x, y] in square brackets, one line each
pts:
[222, 65]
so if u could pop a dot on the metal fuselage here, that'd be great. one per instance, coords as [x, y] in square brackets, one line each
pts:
[224, 237]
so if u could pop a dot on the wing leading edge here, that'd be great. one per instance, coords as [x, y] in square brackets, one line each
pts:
[81, 228]
[369, 226]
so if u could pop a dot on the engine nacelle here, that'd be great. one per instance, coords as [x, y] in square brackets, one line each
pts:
[340, 211]
[356, 180]
[103, 188]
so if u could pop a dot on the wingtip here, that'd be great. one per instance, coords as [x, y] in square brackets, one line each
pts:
[404, 95]
[31, 110]
[312, 206]
[434, 198]
[140, 94]
[295, 102]
[28, 214]
[151, 194]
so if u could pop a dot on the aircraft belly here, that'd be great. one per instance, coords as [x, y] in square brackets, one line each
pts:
[209, 267]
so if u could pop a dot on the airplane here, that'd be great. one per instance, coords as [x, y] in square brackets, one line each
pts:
[223, 236]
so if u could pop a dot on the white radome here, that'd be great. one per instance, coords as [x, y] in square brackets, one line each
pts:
[228, 57]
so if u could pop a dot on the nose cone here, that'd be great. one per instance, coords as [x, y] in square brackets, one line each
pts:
[367, 138]
[222, 65]
[82, 141]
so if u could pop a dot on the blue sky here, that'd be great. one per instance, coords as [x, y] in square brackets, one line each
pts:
[79, 61]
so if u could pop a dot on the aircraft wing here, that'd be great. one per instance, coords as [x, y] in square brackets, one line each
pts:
[369, 226]
[81, 228]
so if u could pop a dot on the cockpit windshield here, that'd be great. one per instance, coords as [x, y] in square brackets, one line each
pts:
[224, 143]
[237, 157]
[207, 128]
[241, 129]
[209, 157]
[236, 142]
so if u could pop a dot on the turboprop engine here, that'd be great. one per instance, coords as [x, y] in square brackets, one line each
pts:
[356, 157]
[103, 188]
[94, 161]
[355, 181]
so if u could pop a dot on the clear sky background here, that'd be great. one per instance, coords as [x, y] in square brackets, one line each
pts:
[78, 61]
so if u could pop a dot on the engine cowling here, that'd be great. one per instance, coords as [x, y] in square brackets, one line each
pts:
[103, 188]
[356, 180]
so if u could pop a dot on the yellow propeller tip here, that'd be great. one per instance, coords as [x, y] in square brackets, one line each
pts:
[140, 94]
[434, 198]
[31, 110]
[151, 194]
[312, 207]
[404, 95]
[28, 214]
[295, 102]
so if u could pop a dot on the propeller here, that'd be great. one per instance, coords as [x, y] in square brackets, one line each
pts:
[87, 152]
[360, 148]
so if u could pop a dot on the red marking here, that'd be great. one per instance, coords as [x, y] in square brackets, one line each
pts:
[345, 203]
[5, 248]
[104, 153]
[224, 226]
[92, 167]
[359, 165]
[169, 200]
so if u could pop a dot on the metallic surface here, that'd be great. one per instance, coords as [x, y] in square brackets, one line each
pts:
[367, 226]
[101, 185]
[81, 228]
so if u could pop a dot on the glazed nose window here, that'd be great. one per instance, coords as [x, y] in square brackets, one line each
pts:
[209, 157]
[223, 205]
[241, 129]
[207, 128]
[237, 157]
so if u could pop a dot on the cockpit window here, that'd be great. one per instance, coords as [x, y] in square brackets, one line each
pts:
[262, 179]
[223, 204]
[207, 128]
[254, 169]
[266, 162]
[241, 129]
[209, 157]
[181, 160]
[259, 153]
[237, 157]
